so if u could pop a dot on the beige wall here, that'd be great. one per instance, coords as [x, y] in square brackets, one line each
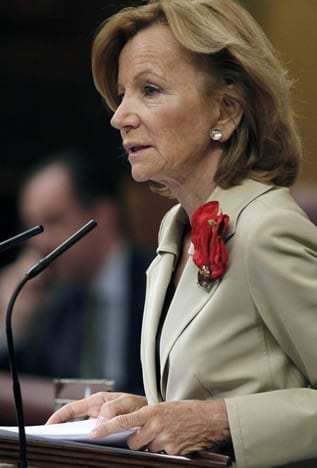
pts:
[292, 27]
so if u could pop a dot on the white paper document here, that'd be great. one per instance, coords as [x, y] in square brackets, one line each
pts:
[78, 431]
[75, 430]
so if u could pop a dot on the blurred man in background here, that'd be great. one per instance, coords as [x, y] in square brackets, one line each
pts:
[89, 302]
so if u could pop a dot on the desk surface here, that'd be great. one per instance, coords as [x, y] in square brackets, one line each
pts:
[48, 453]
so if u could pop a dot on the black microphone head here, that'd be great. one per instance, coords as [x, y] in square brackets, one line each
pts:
[45, 261]
[23, 236]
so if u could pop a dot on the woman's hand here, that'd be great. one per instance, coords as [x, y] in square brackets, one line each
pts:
[176, 427]
[94, 406]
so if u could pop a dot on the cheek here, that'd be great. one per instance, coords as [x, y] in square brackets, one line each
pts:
[175, 129]
[179, 129]
[171, 143]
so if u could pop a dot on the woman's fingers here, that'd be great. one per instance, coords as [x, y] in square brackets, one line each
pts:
[124, 404]
[119, 415]
[90, 406]
[176, 427]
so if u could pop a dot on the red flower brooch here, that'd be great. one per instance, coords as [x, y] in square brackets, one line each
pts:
[208, 232]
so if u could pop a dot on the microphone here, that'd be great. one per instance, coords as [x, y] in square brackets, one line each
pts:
[45, 261]
[7, 244]
[31, 273]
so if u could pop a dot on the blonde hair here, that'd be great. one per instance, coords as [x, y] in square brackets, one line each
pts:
[222, 35]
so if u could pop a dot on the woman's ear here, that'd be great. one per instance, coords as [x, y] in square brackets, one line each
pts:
[230, 116]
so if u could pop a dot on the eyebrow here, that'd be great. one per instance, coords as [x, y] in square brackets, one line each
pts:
[141, 73]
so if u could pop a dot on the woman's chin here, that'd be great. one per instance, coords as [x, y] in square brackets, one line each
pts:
[139, 175]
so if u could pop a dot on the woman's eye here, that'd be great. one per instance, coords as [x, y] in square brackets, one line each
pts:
[150, 90]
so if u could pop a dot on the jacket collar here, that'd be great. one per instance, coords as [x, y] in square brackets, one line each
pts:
[232, 201]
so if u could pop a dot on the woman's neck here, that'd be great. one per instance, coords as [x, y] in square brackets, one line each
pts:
[195, 189]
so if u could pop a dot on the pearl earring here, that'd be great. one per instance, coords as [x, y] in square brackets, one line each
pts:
[216, 134]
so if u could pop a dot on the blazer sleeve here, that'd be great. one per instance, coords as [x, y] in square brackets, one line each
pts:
[277, 427]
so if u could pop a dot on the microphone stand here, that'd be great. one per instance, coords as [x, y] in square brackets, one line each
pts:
[16, 386]
[15, 376]
[31, 273]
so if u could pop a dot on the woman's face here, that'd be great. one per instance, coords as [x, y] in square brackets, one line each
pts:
[164, 116]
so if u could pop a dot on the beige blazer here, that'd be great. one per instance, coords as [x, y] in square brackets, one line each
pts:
[252, 339]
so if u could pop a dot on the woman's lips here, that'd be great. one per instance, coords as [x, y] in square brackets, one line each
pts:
[137, 149]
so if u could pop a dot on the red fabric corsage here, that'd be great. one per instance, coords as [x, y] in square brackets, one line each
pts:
[208, 232]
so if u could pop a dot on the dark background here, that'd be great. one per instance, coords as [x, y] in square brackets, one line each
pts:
[47, 98]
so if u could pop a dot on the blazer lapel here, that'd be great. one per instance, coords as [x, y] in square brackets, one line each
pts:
[186, 304]
[158, 278]
[232, 201]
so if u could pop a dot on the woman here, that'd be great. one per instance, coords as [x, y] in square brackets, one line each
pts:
[229, 331]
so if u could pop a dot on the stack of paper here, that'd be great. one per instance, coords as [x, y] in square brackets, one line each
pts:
[75, 430]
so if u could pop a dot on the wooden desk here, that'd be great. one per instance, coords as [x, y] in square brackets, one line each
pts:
[50, 453]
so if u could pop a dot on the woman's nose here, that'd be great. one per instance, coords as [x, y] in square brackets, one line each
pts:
[114, 121]
[124, 116]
